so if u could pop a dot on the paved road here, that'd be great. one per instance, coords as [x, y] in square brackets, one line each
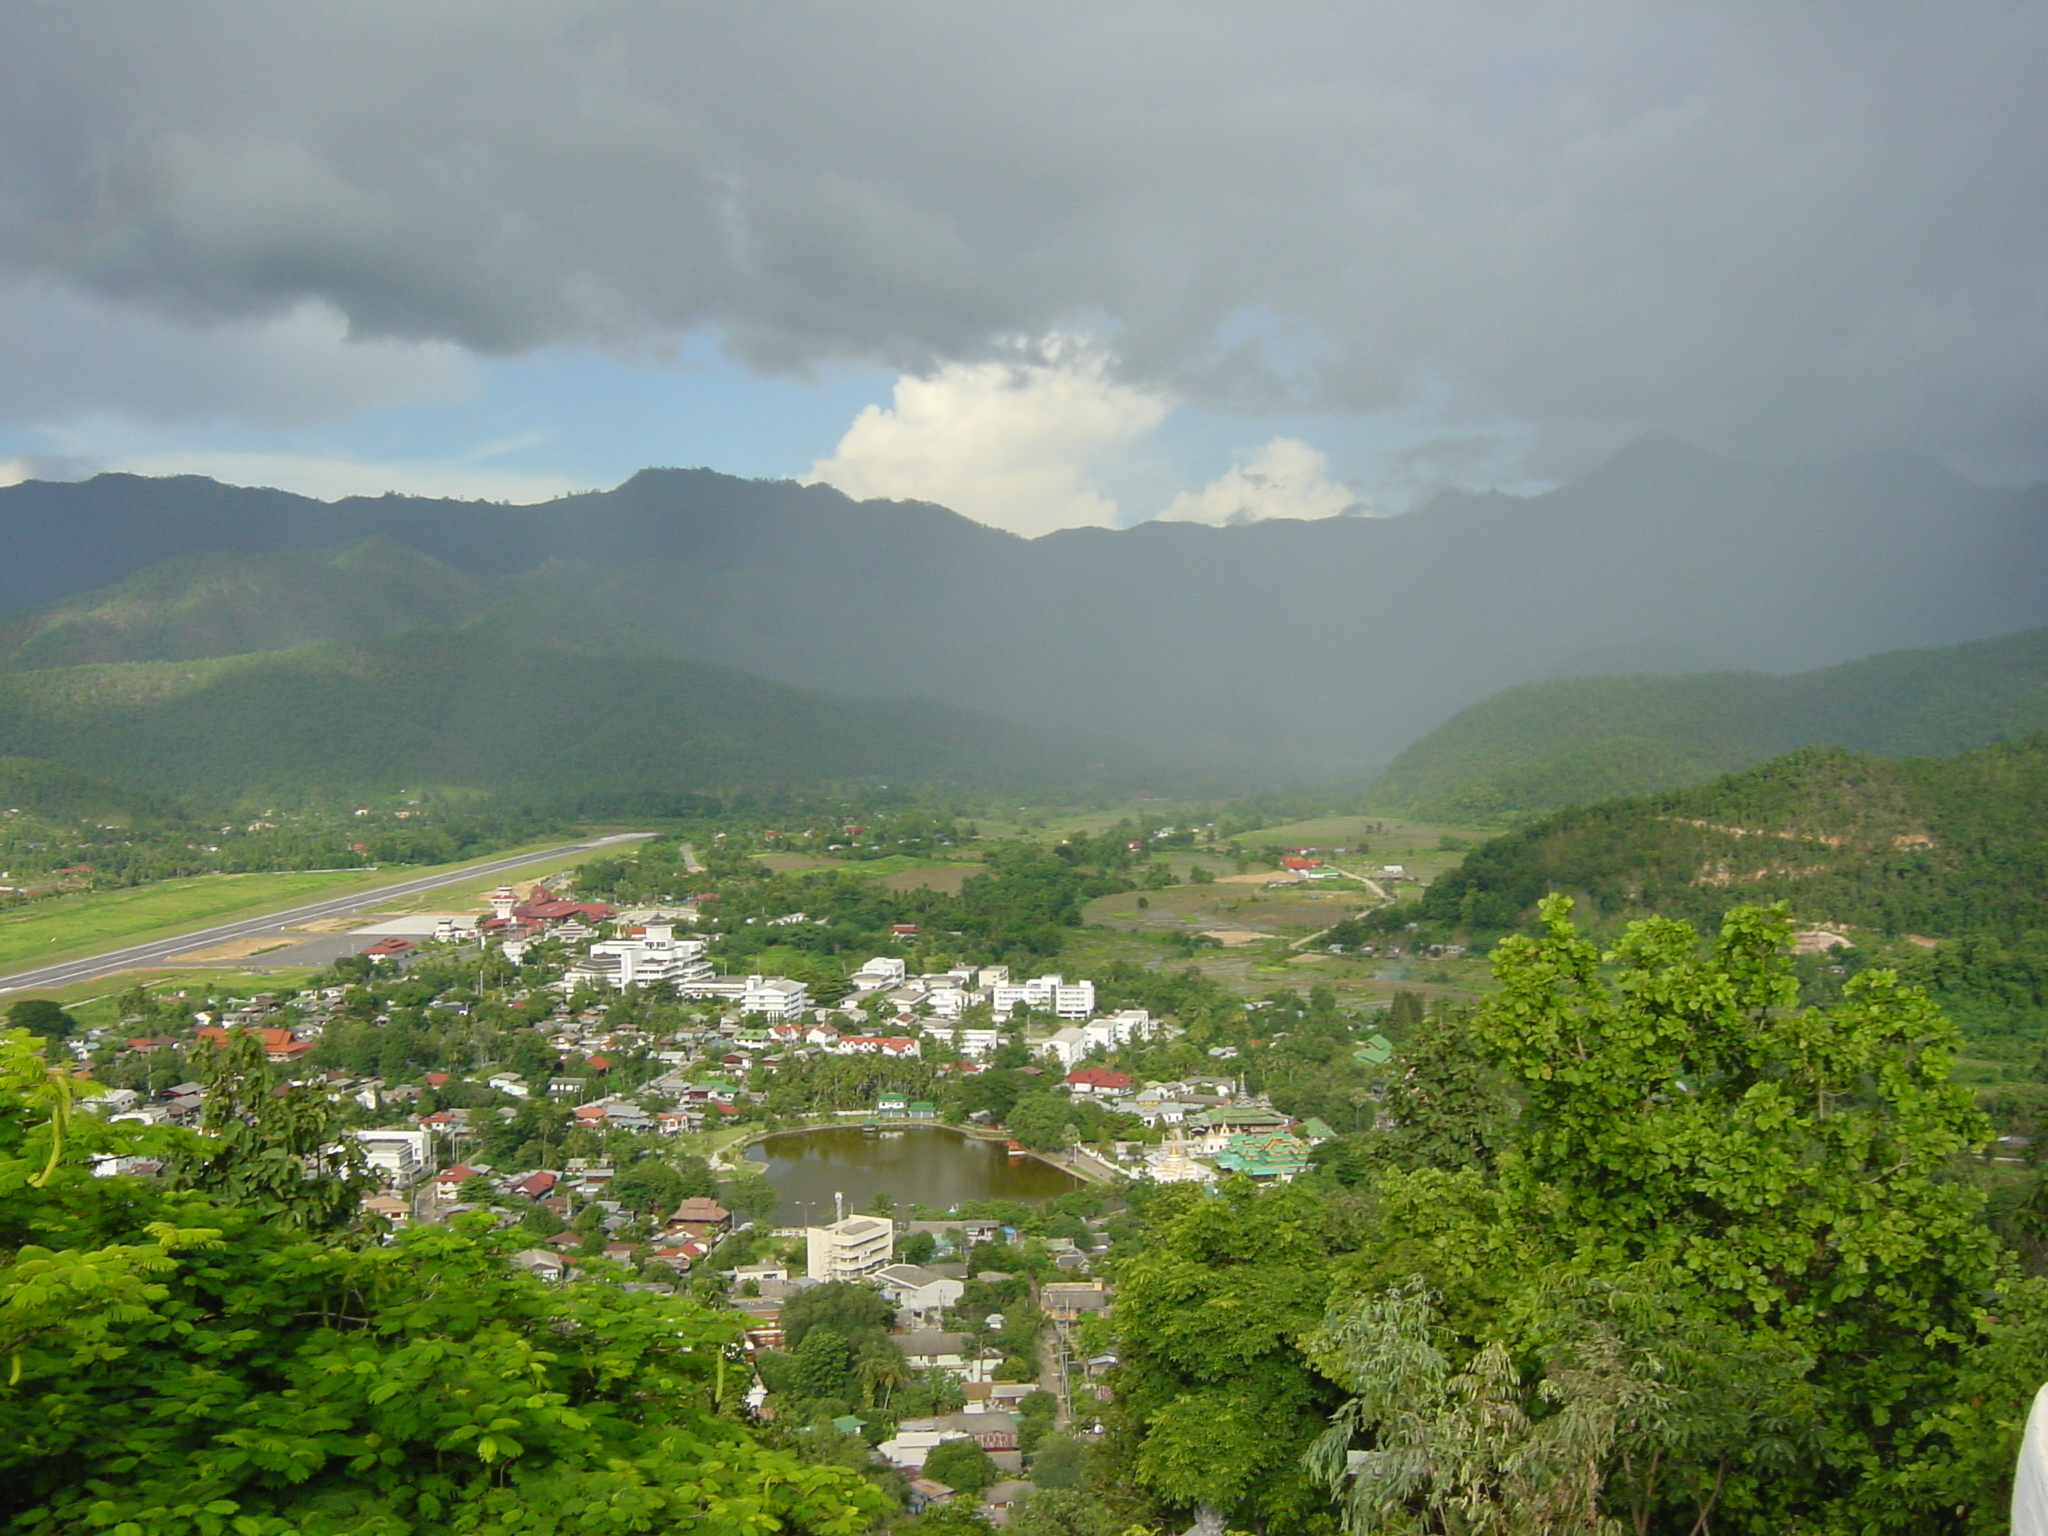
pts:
[158, 950]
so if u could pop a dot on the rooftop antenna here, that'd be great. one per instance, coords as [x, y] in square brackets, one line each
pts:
[839, 1205]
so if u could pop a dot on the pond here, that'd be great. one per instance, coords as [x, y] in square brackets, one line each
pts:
[917, 1164]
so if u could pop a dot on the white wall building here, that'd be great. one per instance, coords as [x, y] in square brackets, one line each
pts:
[849, 1249]
[918, 1291]
[974, 1044]
[1072, 1044]
[404, 1157]
[882, 971]
[657, 955]
[1073, 999]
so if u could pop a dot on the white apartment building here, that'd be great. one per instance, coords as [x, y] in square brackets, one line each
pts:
[880, 972]
[403, 1156]
[849, 1249]
[657, 955]
[974, 1044]
[1072, 1044]
[1073, 999]
[1047, 994]
[775, 998]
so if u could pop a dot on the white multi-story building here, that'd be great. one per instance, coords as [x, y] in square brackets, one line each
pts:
[882, 971]
[656, 955]
[404, 1157]
[1073, 999]
[974, 1044]
[773, 997]
[1072, 1044]
[849, 1249]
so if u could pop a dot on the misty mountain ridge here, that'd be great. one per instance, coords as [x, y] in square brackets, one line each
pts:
[464, 711]
[1280, 645]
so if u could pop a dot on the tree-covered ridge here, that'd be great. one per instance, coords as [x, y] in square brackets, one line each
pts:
[1543, 746]
[1927, 846]
[220, 604]
[552, 722]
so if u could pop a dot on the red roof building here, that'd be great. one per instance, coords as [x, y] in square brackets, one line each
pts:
[1099, 1080]
[544, 906]
[278, 1044]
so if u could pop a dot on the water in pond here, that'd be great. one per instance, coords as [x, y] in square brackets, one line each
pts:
[927, 1164]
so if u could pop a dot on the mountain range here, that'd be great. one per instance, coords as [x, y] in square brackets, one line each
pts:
[1283, 646]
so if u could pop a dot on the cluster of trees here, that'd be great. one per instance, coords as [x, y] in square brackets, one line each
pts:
[223, 1350]
[1640, 1239]
[133, 840]
[838, 1358]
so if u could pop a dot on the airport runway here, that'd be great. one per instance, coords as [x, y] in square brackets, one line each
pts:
[157, 951]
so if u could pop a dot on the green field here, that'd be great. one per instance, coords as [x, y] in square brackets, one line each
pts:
[96, 1002]
[62, 927]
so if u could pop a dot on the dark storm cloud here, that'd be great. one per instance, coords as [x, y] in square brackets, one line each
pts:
[1774, 227]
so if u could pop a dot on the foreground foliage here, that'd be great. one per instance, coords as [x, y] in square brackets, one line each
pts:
[180, 1364]
[1718, 1274]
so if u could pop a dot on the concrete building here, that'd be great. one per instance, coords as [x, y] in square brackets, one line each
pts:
[402, 1157]
[655, 955]
[919, 1292]
[849, 1249]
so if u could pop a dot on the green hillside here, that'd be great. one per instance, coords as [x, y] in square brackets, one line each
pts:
[197, 606]
[469, 710]
[1923, 846]
[1543, 746]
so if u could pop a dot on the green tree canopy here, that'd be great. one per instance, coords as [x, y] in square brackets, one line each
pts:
[962, 1465]
[184, 1365]
[41, 1016]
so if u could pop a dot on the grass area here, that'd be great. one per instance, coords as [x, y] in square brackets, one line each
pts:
[64, 927]
[899, 871]
[92, 1003]
[1120, 929]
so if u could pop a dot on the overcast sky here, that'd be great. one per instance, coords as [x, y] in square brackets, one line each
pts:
[1050, 264]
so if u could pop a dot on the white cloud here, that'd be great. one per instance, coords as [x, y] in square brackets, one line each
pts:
[331, 477]
[1286, 478]
[1012, 444]
[66, 354]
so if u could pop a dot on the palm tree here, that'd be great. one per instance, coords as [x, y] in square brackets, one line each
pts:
[886, 1368]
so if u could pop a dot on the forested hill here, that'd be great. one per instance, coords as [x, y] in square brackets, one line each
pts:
[1328, 642]
[570, 728]
[1924, 846]
[1543, 746]
[222, 604]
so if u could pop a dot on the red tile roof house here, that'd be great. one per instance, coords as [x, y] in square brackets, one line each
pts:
[278, 1044]
[390, 949]
[1099, 1080]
